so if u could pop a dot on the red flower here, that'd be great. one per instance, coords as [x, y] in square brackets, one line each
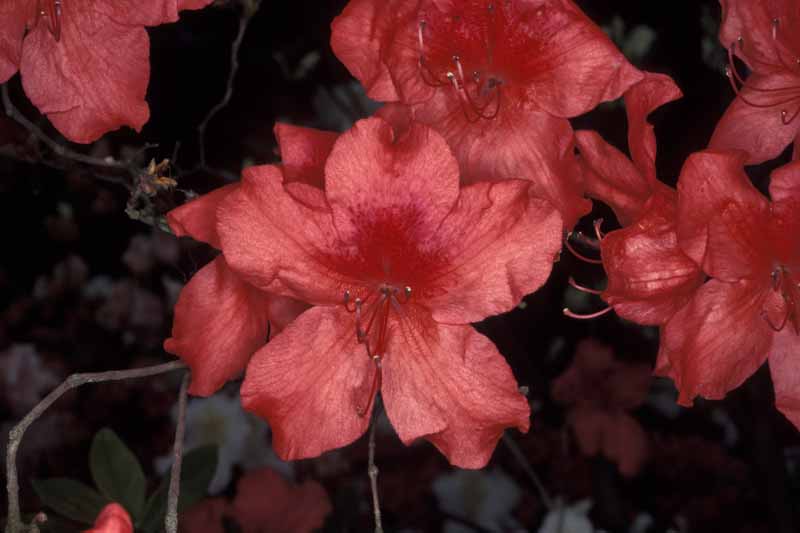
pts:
[601, 390]
[748, 311]
[112, 519]
[496, 79]
[84, 63]
[649, 276]
[264, 503]
[220, 320]
[398, 261]
[763, 119]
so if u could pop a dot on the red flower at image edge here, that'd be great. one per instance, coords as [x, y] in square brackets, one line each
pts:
[397, 260]
[748, 312]
[765, 116]
[84, 63]
[264, 503]
[600, 391]
[497, 79]
[649, 276]
[220, 320]
[112, 519]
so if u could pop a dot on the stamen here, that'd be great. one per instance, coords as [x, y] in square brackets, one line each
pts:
[581, 288]
[52, 12]
[376, 386]
[578, 254]
[602, 312]
[780, 327]
[597, 231]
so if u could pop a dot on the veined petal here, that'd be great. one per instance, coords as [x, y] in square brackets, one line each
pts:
[303, 153]
[373, 174]
[573, 65]
[193, 4]
[785, 373]
[450, 385]
[709, 181]
[198, 218]
[356, 39]
[149, 13]
[94, 79]
[784, 189]
[642, 99]
[13, 16]
[609, 176]
[739, 244]
[310, 382]
[278, 243]
[753, 23]
[759, 129]
[520, 143]
[717, 340]
[649, 276]
[501, 244]
[219, 324]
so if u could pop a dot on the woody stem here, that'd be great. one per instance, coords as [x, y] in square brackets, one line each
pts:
[372, 472]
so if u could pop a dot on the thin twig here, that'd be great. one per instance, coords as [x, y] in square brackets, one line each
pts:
[244, 20]
[372, 471]
[63, 151]
[526, 466]
[15, 524]
[171, 520]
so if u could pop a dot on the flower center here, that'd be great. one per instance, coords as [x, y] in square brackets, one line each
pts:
[783, 282]
[463, 63]
[786, 98]
[50, 10]
[372, 326]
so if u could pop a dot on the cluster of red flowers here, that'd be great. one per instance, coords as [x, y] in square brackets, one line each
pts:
[367, 255]
[371, 252]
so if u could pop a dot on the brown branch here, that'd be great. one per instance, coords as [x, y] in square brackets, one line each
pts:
[171, 520]
[15, 524]
[65, 152]
[513, 447]
[372, 472]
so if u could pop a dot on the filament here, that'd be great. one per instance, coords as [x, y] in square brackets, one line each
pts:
[602, 312]
[581, 288]
[580, 255]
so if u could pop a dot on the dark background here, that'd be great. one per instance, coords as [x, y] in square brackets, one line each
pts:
[50, 214]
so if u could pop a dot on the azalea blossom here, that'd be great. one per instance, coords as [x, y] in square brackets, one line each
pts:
[649, 276]
[264, 503]
[397, 260]
[497, 79]
[765, 116]
[221, 320]
[600, 391]
[747, 313]
[84, 63]
[112, 519]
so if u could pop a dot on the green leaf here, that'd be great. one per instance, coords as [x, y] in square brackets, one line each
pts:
[70, 498]
[117, 472]
[197, 471]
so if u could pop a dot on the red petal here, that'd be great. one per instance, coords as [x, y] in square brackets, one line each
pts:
[149, 13]
[193, 4]
[372, 174]
[267, 502]
[356, 37]
[277, 243]
[112, 519]
[219, 323]
[450, 385]
[642, 99]
[304, 152]
[785, 374]
[501, 243]
[759, 130]
[784, 188]
[310, 382]
[13, 16]
[718, 340]
[573, 65]
[520, 142]
[709, 181]
[205, 517]
[752, 22]
[649, 276]
[739, 244]
[198, 218]
[611, 177]
[94, 79]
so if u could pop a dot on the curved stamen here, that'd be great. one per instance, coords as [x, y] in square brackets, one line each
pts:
[780, 327]
[597, 231]
[602, 312]
[580, 255]
[374, 388]
[581, 288]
